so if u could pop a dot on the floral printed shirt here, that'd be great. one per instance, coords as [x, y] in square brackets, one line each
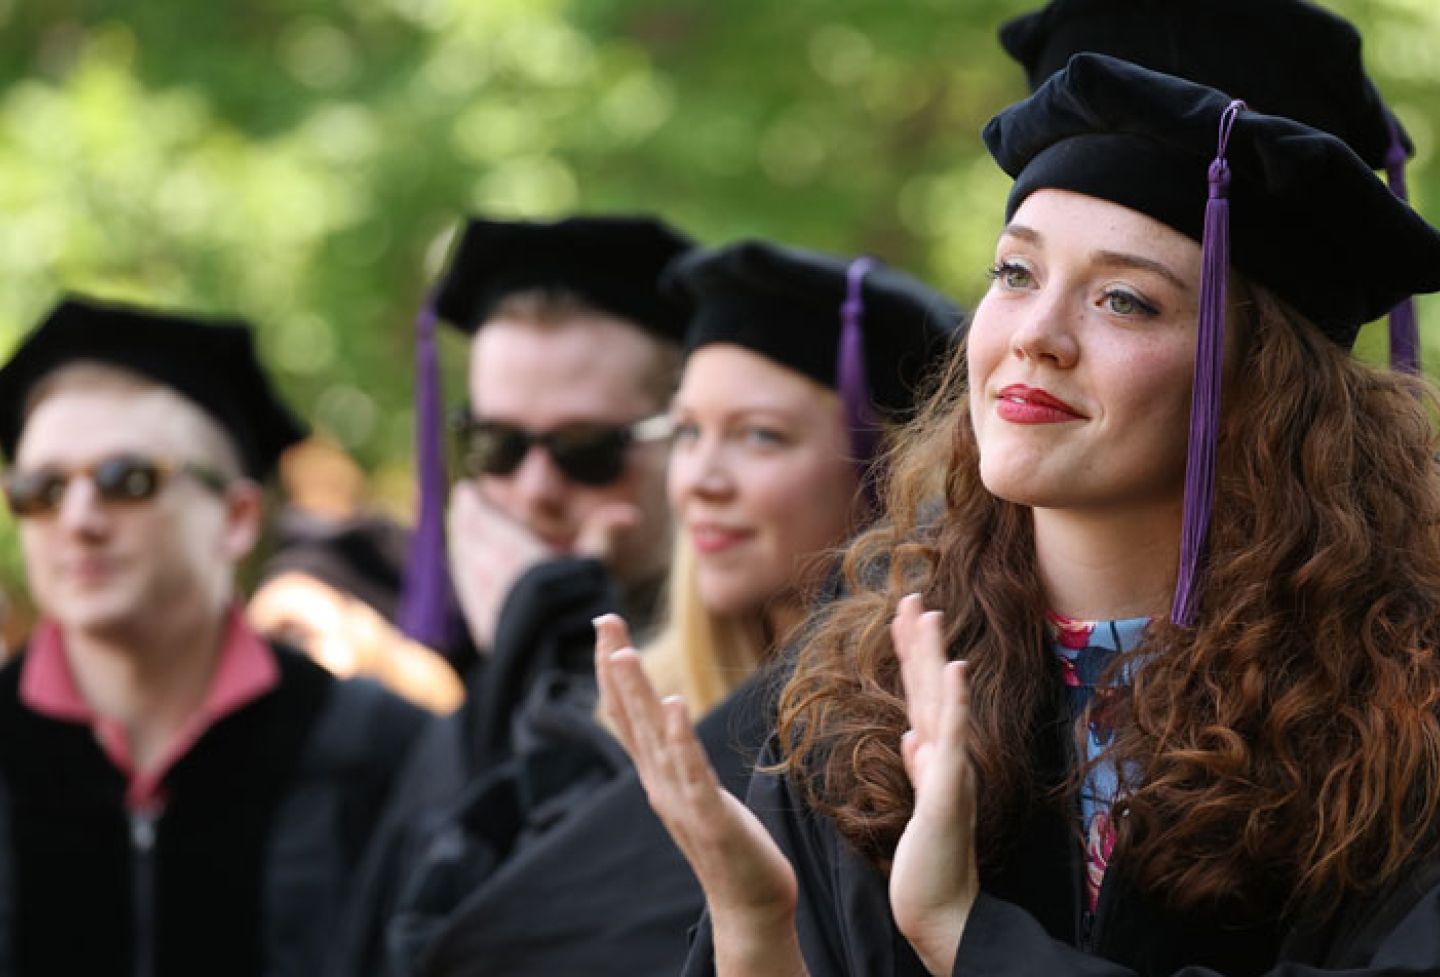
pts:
[1085, 650]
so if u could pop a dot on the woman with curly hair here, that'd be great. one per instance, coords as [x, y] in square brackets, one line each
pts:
[1174, 709]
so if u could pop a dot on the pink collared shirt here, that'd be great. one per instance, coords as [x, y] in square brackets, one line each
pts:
[245, 671]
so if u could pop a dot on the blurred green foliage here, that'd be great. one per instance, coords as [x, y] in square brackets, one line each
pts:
[304, 163]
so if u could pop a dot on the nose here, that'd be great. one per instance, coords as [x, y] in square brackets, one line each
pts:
[538, 484]
[1047, 332]
[82, 512]
[701, 470]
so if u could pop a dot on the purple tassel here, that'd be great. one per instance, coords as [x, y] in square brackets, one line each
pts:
[852, 381]
[425, 605]
[1404, 325]
[1209, 369]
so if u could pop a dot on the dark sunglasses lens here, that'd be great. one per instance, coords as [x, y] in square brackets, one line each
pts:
[492, 449]
[34, 493]
[590, 456]
[127, 479]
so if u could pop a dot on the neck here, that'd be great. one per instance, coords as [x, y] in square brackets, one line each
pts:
[1110, 564]
[150, 681]
[781, 619]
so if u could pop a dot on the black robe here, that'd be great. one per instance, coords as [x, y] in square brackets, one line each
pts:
[243, 872]
[521, 841]
[603, 891]
[543, 651]
[1029, 920]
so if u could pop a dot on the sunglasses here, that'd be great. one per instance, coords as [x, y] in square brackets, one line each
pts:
[589, 454]
[121, 478]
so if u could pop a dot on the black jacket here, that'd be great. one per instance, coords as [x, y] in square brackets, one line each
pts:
[522, 843]
[543, 658]
[600, 889]
[242, 873]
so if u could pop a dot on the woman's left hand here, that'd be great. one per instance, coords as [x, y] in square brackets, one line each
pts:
[934, 879]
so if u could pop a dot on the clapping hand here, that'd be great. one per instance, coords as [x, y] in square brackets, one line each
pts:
[749, 886]
[934, 879]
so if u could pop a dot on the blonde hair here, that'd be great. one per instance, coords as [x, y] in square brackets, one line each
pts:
[698, 654]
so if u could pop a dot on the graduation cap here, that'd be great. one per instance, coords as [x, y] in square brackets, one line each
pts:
[610, 262]
[1310, 216]
[866, 331]
[1283, 57]
[211, 362]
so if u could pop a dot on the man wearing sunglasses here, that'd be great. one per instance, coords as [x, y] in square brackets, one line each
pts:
[562, 445]
[176, 795]
[559, 510]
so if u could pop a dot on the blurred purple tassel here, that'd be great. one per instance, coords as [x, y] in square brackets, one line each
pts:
[425, 605]
[852, 381]
[1209, 370]
[1404, 325]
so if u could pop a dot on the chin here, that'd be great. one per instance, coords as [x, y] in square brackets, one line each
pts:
[101, 614]
[1018, 489]
[98, 622]
[729, 598]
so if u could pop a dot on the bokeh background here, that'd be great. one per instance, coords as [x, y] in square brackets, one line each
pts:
[304, 164]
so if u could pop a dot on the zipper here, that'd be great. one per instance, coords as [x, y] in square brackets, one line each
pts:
[142, 882]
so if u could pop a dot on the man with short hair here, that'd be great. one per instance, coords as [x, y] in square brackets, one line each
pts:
[176, 796]
[559, 515]
[550, 363]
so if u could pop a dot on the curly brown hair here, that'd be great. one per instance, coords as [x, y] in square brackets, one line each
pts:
[1288, 743]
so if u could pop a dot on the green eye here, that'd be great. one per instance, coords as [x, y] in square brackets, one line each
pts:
[1123, 303]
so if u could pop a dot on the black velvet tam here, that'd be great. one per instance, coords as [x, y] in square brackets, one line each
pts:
[1283, 57]
[785, 303]
[613, 263]
[1308, 219]
[211, 362]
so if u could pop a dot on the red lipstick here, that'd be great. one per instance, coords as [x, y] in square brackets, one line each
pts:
[1020, 404]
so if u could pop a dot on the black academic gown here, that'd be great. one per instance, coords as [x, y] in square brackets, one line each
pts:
[602, 890]
[243, 873]
[530, 689]
[1029, 920]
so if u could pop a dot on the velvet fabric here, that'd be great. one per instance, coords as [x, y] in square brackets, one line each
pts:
[1308, 216]
[210, 361]
[786, 304]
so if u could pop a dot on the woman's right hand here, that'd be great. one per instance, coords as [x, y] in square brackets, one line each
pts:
[749, 885]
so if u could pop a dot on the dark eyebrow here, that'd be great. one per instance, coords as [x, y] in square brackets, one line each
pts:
[1119, 259]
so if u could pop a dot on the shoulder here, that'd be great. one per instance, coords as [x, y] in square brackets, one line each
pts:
[357, 723]
[10, 673]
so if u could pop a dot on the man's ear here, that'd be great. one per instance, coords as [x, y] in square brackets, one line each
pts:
[244, 518]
